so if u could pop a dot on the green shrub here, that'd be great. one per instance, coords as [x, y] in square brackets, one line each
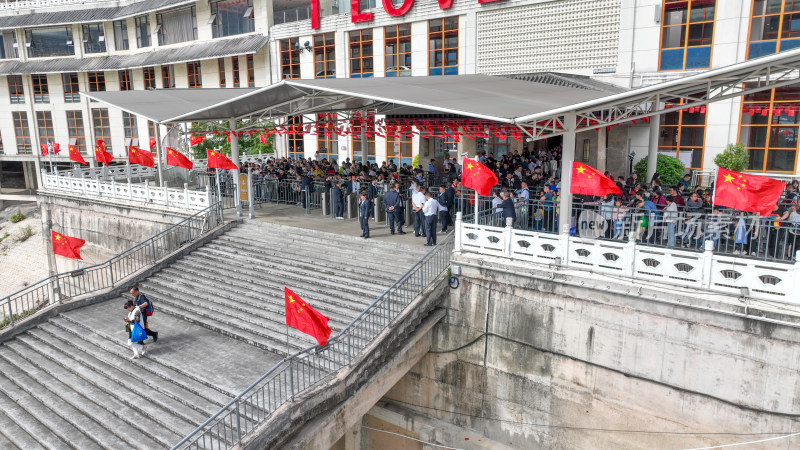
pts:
[415, 161]
[4, 236]
[735, 157]
[18, 217]
[671, 170]
[26, 232]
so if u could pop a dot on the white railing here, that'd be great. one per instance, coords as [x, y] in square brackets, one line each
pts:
[183, 199]
[747, 277]
[107, 173]
[38, 4]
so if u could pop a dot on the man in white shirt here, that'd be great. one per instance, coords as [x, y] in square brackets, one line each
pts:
[430, 209]
[417, 201]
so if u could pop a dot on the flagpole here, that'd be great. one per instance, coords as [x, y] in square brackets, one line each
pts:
[50, 156]
[714, 190]
[287, 340]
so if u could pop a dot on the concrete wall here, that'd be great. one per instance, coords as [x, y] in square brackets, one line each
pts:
[537, 357]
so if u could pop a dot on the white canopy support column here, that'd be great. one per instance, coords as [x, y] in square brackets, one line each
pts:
[236, 160]
[160, 163]
[567, 156]
[652, 147]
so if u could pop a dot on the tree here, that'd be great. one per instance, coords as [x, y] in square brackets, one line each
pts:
[670, 168]
[735, 157]
[248, 145]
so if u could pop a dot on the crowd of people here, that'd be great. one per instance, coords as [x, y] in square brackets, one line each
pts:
[528, 193]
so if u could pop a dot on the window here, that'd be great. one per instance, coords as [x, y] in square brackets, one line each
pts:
[251, 72]
[235, 64]
[71, 87]
[290, 59]
[774, 27]
[356, 140]
[231, 17]
[176, 26]
[101, 125]
[193, 72]
[361, 54]
[769, 129]
[399, 150]
[687, 32]
[294, 142]
[221, 70]
[125, 83]
[120, 35]
[53, 41]
[97, 81]
[44, 123]
[398, 50]
[76, 133]
[682, 135]
[142, 24]
[22, 132]
[16, 92]
[41, 93]
[168, 76]
[149, 74]
[494, 145]
[131, 128]
[324, 56]
[443, 46]
[8, 45]
[327, 139]
[94, 38]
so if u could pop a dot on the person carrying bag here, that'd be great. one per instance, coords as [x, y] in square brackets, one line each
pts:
[136, 332]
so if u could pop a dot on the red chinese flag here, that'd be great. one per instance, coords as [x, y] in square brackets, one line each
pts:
[477, 176]
[101, 144]
[303, 317]
[56, 148]
[45, 151]
[217, 160]
[263, 139]
[152, 143]
[746, 192]
[194, 140]
[75, 155]
[176, 158]
[141, 157]
[69, 247]
[588, 181]
[101, 155]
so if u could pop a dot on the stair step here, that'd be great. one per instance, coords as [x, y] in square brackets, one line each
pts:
[89, 401]
[58, 425]
[6, 443]
[20, 427]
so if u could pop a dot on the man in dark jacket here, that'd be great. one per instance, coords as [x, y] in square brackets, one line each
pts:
[364, 213]
[143, 303]
[393, 203]
[305, 189]
[338, 200]
[508, 208]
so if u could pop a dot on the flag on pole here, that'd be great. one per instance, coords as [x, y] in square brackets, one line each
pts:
[747, 192]
[176, 158]
[303, 317]
[217, 160]
[75, 155]
[101, 155]
[194, 140]
[69, 247]
[263, 139]
[478, 177]
[141, 157]
[586, 180]
[152, 143]
[56, 148]
[45, 151]
[101, 144]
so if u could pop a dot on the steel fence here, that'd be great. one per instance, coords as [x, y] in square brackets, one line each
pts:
[297, 373]
[63, 286]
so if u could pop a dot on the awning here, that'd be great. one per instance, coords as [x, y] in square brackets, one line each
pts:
[218, 48]
[487, 97]
[37, 16]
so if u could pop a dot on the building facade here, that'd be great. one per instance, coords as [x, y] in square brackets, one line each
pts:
[51, 54]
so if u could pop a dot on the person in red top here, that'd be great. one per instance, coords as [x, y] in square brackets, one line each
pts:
[677, 197]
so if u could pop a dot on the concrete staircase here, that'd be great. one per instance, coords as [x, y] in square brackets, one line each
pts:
[68, 383]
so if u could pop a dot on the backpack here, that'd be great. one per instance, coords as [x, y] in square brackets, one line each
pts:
[150, 309]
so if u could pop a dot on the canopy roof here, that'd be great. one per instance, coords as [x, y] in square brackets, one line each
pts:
[542, 110]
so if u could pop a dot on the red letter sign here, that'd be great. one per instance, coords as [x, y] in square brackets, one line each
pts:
[445, 4]
[401, 11]
[357, 15]
[314, 14]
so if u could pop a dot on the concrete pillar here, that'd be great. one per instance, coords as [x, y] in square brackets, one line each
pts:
[236, 160]
[364, 141]
[601, 149]
[652, 147]
[352, 439]
[467, 146]
[52, 269]
[567, 157]
[161, 181]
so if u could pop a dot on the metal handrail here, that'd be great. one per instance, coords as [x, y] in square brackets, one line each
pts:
[255, 404]
[52, 290]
